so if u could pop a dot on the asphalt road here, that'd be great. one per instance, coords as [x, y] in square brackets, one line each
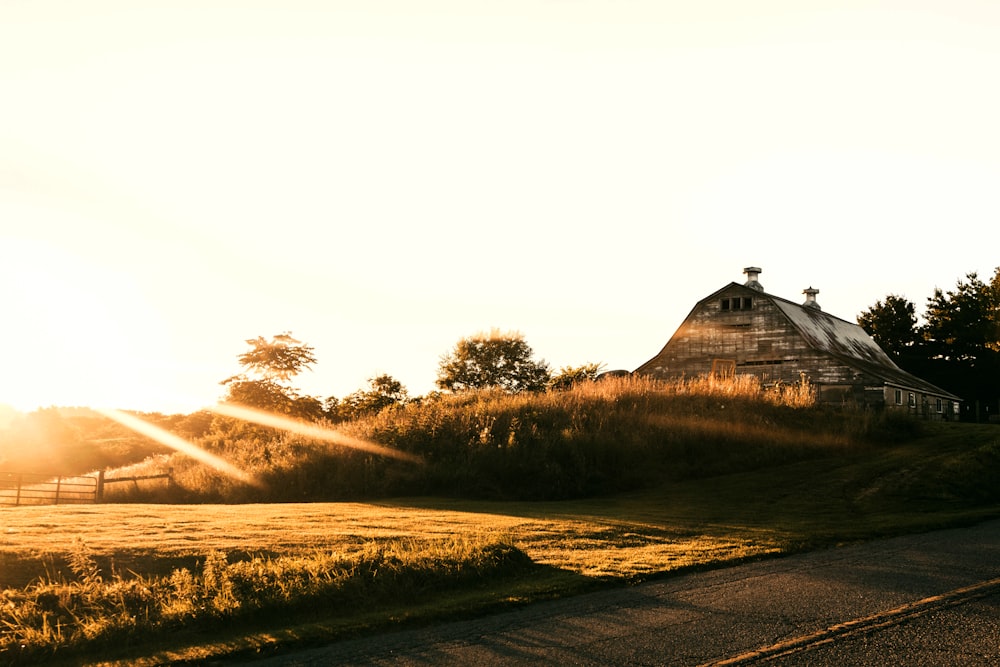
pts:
[930, 599]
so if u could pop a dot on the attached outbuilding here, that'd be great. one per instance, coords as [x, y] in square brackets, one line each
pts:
[742, 330]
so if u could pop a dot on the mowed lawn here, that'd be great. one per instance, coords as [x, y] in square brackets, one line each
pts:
[576, 537]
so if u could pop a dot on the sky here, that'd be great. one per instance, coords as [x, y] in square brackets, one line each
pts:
[384, 178]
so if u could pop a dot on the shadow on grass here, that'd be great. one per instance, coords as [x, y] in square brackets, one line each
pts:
[950, 477]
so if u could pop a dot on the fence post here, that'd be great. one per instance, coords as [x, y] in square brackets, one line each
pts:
[58, 487]
[99, 491]
[20, 479]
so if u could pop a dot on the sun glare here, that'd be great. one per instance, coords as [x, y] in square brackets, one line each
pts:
[243, 413]
[308, 430]
[75, 333]
[178, 444]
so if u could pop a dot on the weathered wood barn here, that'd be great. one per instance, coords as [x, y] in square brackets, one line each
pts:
[741, 329]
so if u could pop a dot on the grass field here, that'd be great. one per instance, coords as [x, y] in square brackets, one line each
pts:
[946, 478]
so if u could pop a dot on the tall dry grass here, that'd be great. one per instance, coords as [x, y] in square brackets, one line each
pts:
[93, 611]
[596, 437]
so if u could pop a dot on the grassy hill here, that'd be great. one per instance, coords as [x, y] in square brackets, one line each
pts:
[594, 439]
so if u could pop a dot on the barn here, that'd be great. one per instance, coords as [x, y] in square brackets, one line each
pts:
[742, 330]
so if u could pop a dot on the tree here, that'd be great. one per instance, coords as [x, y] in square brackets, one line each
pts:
[492, 360]
[571, 375]
[962, 337]
[892, 324]
[269, 366]
[384, 391]
[964, 324]
[280, 358]
[957, 347]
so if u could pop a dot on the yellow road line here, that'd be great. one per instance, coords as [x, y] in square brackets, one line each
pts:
[860, 625]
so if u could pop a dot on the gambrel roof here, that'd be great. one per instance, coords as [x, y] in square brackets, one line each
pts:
[851, 344]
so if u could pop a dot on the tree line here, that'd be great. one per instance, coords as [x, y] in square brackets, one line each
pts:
[957, 344]
[61, 440]
[491, 360]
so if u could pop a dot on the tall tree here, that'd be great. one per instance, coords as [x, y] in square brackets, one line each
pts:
[962, 339]
[492, 360]
[280, 358]
[892, 324]
[269, 367]
[964, 324]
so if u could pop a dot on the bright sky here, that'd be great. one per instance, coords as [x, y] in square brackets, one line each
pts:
[383, 178]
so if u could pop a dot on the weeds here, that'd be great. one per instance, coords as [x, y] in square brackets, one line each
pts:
[92, 611]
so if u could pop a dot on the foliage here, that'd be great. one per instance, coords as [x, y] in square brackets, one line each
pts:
[958, 345]
[269, 366]
[571, 375]
[964, 324]
[383, 391]
[492, 360]
[273, 397]
[892, 324]
[280, 358]
[962, 340]
[52, 617]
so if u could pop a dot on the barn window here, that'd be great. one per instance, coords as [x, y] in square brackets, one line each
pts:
[736, 303]
[912, 400]
[899, 397]
[938, 405]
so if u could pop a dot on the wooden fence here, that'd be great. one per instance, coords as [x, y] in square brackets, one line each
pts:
[103, 481]
[25, 488]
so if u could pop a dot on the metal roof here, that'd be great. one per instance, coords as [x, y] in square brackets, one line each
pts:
[851, 344]
[832, 334]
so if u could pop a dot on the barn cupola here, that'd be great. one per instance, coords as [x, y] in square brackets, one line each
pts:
[811, 293]
[752, 282]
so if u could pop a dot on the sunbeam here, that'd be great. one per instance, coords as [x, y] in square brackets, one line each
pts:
[308, 430]
[178, 444]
